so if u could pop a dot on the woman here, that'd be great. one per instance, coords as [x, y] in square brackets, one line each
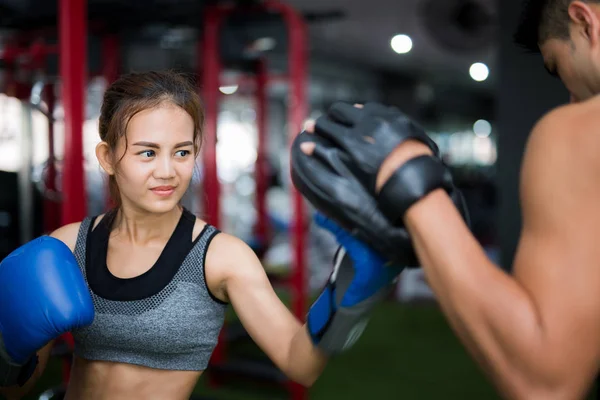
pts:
[160, 278]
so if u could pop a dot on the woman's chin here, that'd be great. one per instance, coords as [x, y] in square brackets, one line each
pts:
[157, 206]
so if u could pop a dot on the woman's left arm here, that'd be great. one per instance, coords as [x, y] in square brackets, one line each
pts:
[269, 322]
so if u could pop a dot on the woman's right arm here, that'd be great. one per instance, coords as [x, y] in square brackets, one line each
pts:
[68, 235]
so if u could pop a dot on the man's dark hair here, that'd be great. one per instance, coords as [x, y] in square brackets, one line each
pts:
[542, 20]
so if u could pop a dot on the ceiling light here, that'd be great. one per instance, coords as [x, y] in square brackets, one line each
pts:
[479, 72]
[482, 128]
[229, 89]
[401, 44]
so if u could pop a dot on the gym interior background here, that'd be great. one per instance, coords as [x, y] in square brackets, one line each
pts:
[263, 68]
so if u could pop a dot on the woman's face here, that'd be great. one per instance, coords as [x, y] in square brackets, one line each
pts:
[154, 166]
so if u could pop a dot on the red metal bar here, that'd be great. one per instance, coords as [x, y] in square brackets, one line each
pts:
[24, 58]
[11, 55]
[51, 207]
[38, 54]
[110, 69]
[33, 54]
[261, 171]
[94, 26]
[111, 60]
[210, 70]
[72, 17]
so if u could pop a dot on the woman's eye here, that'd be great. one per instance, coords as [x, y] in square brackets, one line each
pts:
[183, 153]
[147, 153]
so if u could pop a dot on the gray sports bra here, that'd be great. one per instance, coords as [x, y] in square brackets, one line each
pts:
[165, 318]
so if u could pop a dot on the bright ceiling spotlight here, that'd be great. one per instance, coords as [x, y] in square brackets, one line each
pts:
[401, 44]
[479, 72]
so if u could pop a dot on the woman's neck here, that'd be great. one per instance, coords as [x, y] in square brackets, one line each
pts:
[140, 227]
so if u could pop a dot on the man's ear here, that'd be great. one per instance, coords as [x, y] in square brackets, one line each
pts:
[105, 158]
[586, 20]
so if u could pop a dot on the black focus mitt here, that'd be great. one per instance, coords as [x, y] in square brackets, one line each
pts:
[339, 178]
[327, 181]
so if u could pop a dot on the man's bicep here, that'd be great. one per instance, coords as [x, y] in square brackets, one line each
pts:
[563, 281]
[557, 257]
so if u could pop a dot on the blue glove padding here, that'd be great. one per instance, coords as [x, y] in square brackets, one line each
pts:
[42, 296]
[361, 279]
[370, 270]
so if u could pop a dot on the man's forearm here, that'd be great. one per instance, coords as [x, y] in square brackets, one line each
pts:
[490, 312]
[305, 361]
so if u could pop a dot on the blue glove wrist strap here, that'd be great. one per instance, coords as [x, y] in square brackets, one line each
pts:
[321, 313]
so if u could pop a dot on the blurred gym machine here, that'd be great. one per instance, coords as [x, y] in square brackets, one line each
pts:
[21, 206]
[29, 71]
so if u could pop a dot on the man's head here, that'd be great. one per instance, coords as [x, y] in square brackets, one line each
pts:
[567, 33]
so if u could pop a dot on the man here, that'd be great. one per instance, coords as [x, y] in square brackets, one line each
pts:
[536, 333]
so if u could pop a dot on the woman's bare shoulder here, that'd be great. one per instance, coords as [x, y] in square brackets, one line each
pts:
[68, 233]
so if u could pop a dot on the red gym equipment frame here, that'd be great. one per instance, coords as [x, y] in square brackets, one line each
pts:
[72, 23]
[210, 70]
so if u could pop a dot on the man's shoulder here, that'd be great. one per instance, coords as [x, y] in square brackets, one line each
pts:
[561, 153]
[570, 132]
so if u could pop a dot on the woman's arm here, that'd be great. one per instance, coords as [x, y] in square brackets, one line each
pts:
[17, 392]
[268, 321]
[68, 235]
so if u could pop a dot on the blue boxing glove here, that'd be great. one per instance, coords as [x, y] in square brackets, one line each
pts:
[361, 278]
[42, 296]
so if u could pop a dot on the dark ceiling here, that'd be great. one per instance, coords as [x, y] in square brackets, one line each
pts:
[448, 35]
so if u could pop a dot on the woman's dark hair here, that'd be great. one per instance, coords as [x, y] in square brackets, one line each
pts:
[136, 92]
